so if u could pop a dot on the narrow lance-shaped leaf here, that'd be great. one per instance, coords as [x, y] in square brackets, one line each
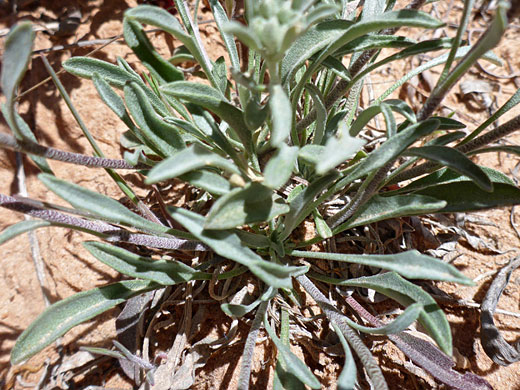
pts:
[250, 204]
[292, 364]
[227, 244]
[410, 264]
[406, 293]
[467, 196]
[380, 208]
[192, 158]
[279, 167]
[402, 322]
[338, 149]
[162, 137]
[455, 160]
[165, 272]
[281, 115]
[212, 100]
[137, 40]
[97, 204]
[17, 54]
[72, 311]
[21, 228]
[321, 113]
[348, 376]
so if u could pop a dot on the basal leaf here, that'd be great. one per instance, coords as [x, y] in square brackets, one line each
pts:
[465, 196]
[97, 204]
[392, 285]
[402, 322]
[209, 181]
[291, 362]
[137, 40]
[212, 100]
[190, 159]
[410, 264]
[227, 244]
[338, 149]
[20, 228]
[321, 113]
[380, 208]
[281, 115]
[347, 378]
[164, 272]
[86, 67]
[455, 160]
[62, 316]
[392, 148]
[250, 204]
[279, 167]
[162, 137]
[17, 54]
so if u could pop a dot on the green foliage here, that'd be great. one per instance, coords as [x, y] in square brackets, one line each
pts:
[266, 145]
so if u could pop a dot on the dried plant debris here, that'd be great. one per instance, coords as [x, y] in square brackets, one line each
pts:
[495, 346]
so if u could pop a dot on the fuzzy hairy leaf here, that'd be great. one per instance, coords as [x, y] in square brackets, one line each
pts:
[97, 204]
[190, 159]
[208, 181]
[380, 208]
[15, 59]
[410, 264]
[455, 160]
[394, 286]
[62, 316]
[465, 196]
[227, 244]
[164, 272]
[291, 362]
[281, 115]
[279, 167]
[86, 67]
[348, 376]
[20, 228]
[250, 204]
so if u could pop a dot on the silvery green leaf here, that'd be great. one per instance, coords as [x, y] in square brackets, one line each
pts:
[303, 203]
[391, 127]
[281, 115]
[410, 264]
[17, 54]
[348, 376]
[244, 34]
[392, 148]
[86, 67]
[338, 150]
[250, 204]
[279, 167]
[406, 293]
[220, 74]
[368, 42]
[190, 159]
[311, 154]
[22, 130]
[227, 244]
[446, 176]
[284, 380]
[212, 100]
[62, 316]
[456, 161]
[137, 40]
[449, 124]
[509, 149]
[221, 19]
[159, 17]
[321, 113]
[209, 181]
[161, 136]
[255, 114]
[291, 362]
[20, 228]
[402, 322]
[99, 205]
[322, 228]
[363, 118]
[465, 196]
[402, 108]
[164, 272]
[237, 311]
[380, 208]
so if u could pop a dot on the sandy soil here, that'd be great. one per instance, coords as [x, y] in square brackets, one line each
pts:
[70, 269]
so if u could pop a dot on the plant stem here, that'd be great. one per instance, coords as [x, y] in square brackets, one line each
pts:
[27, 146]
